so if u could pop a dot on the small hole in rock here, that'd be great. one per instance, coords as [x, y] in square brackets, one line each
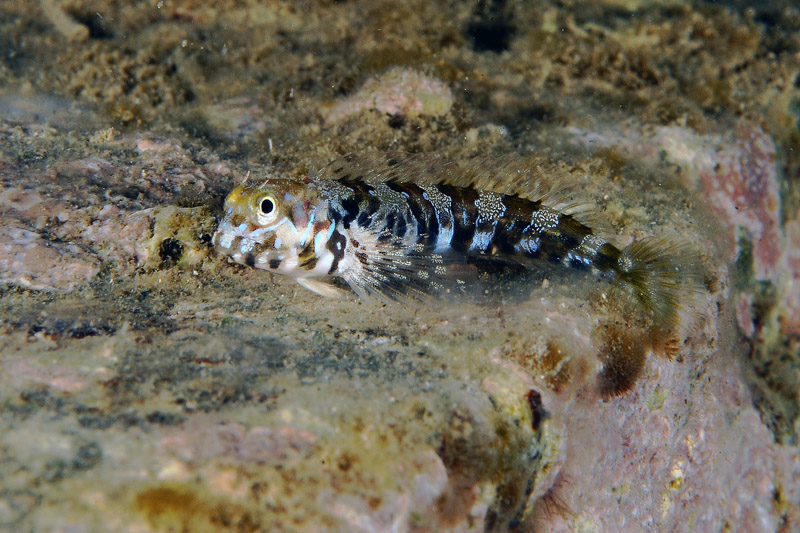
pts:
[170, 252]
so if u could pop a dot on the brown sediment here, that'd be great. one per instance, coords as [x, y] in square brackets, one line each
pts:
[551, 505]
[173, 506]
[622, 354]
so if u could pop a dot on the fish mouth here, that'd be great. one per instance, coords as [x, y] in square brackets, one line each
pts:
[230, 240]
[235, 247]
[225, 238]
[229, 243]
[237, 244]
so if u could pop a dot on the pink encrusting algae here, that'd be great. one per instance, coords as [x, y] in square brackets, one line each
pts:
[399, 91]
[737, 172]
[738, 175]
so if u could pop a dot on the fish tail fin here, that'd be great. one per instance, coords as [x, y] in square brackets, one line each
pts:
[665, 278]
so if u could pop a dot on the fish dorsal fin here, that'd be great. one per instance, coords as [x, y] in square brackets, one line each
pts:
[532, 176]
[381, 167]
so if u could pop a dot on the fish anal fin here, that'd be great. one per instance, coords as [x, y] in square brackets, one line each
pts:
[323, 288]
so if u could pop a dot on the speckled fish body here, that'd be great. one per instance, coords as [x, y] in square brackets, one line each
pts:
[396, 238]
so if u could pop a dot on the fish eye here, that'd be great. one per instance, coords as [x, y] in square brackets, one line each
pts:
[265, 208]
[267, 205]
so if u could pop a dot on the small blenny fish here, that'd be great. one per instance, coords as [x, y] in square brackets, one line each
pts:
[393, 231]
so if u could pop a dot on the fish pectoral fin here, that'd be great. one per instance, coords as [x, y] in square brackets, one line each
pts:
[321, 287]
[390, 270]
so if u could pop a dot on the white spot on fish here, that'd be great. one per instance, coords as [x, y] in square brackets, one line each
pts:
[490, 206]
[225, 240]
[442, 207]
[529, 245]
[309, 226]
[544, 219]
[481, 240]
[445, 238]
[319, 242]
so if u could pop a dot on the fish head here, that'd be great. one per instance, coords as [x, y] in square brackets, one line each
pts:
[261, 224]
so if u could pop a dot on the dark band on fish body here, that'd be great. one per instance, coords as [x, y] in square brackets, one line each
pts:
[465, 214]
[389, 224]
[412, 201]
[571, 231]
[427, 213]
[510, 228]
[351, 210]
[607, 258]
[306, 253]
[333, 215]
[310, 263]
[307, 259]
[507, 236]
[336, 245]
[558, 241]
[368, 206]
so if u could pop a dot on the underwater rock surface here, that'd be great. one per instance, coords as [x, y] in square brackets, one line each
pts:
[146, 384]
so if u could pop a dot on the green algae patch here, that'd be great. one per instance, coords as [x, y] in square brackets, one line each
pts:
[656, 399]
